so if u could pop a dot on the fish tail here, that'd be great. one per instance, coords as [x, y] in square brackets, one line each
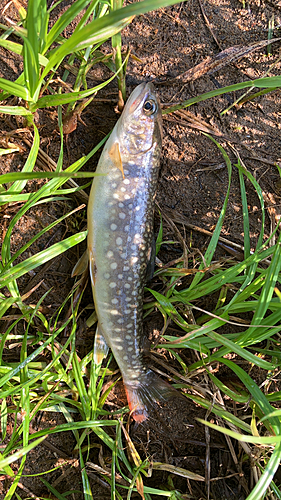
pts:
[144, 394]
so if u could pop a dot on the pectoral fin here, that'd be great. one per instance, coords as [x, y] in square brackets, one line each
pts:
[115, 156]
[100, 346]
[93, 268]
[151, 260]
[82, 264]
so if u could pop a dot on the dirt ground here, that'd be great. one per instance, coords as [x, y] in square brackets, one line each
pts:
[192, 187]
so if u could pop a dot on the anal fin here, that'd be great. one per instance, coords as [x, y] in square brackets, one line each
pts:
[100, 346]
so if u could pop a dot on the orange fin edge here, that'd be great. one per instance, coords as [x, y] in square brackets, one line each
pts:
[115, 156]
[144, 394]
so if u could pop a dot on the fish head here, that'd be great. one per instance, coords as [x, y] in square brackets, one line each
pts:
[140, 124]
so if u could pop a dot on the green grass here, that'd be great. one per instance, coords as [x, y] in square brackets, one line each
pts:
[30, 386]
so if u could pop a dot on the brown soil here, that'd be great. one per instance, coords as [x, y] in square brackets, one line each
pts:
[192, 187]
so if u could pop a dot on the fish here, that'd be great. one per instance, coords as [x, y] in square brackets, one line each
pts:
[120, 244]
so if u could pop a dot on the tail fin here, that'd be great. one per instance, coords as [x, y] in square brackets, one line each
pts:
[145, 393]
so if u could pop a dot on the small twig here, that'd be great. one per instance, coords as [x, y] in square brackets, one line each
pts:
[49, 445]
[245, 446]
[208, 25]
[66, 472]
[262, 160]
[38, 275]
[179, 219]
[29, 492]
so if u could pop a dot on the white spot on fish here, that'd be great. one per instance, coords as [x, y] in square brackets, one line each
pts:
[114, 185]
[114, 301]
[123, 255]
[126, 181]
[119, 348]
[109, 254]
[113, 227]
[122, 215]
[127, 311]
[128, 337]
[120, 276]
[133, 247]
[134, 259]
[127, 197]
[114, 312]
[112, 284]
[106, 276]
[126, 268]
[130, 206]
[119, 240]
[127, 285]
[125, 358]
[120, 205]
[130, 349]
[116, 196]
[128, 299]
[113, 265]
[129, 325]
[123, 190]
[127, 228]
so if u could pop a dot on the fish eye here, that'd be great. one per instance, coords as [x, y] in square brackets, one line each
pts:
[149, 107]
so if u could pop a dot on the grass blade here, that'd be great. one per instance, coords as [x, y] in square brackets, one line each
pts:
[15, 89]
[20, 453]
[214, 240]
[40, 258]
[35, 9]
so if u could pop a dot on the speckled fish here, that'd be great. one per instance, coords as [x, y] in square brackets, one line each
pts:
[120, 225]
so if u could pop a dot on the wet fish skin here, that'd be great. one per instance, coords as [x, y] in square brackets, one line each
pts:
[120, 224]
